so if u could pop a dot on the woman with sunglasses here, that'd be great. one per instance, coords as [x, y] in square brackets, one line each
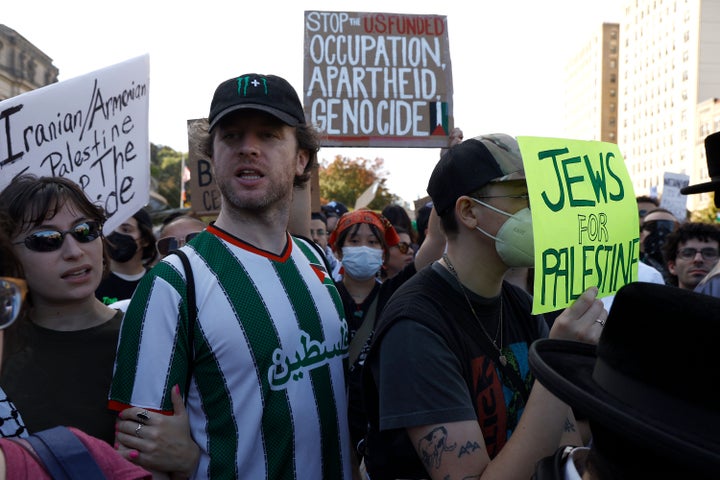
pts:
[400, 255]
[59, 366]
[16, 460]
[362, 241]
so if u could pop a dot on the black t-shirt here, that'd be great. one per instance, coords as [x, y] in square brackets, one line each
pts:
[113, 288]
[63, 378]
[427, 366]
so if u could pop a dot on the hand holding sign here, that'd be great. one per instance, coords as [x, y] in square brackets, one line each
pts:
[582, 320]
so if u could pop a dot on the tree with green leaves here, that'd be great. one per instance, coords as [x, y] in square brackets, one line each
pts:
[709, 214]
[345, 179]
[165, 169]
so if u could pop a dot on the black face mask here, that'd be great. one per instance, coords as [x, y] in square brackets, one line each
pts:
[121, 247]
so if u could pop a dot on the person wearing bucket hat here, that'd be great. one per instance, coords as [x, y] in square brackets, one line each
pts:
[447, 388]
[641, 388]
[710, 285]
[361, 241]
[262, 371]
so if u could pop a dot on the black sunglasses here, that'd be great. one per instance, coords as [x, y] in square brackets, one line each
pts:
[12, 293]
[403, 247]
[167, 244]
[51, 240]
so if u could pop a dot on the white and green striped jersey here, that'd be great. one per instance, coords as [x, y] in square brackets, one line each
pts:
[267, 396]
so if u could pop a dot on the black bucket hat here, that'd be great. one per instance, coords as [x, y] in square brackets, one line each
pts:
[650, 377]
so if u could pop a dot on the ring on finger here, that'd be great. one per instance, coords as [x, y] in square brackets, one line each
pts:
[600, 321]
[144, 416]
[137, 430]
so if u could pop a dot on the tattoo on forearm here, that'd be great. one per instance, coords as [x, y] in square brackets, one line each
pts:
[468, 448]
[569, 426]
[432, 446]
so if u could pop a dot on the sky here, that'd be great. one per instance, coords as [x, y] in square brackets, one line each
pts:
[508, 58]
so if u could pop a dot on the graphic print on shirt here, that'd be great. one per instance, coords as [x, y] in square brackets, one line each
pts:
[499, 407]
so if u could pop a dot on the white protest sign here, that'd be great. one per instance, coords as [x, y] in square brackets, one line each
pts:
[91, 129]
[672, 199]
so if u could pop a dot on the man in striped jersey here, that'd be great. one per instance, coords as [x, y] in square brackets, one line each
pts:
[266, 394]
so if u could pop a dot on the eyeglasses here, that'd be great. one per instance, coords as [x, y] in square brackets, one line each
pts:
[167, 244]
[653, 226]
[320, 232]
[12, 294]
[708, 253]
[51, 240]
[403, 247]
[523, 196]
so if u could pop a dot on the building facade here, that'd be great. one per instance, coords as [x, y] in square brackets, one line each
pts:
[591, 87]
[669, 66]
[23, 67]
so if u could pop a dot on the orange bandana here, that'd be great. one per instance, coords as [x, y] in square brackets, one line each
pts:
[365, 216]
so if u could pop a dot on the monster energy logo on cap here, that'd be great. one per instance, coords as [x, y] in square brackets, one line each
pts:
[267, 93]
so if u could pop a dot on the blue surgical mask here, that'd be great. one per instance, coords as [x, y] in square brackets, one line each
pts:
[362, 263]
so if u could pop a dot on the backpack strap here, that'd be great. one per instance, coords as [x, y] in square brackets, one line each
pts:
[192, 315]
[363, 333]
[64, 456]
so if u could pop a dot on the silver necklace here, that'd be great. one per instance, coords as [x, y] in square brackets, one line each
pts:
[503, 359]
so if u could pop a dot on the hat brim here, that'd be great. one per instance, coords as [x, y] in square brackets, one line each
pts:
[284, 117]
[701, 188]
[566, 369]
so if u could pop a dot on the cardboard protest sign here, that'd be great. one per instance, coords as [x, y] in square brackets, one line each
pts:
[204, 193]
[378, 79]
[585, 219]
[92, 129]
[672, 200]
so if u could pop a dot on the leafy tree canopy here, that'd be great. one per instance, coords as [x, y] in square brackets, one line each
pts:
[709, 214]
[345, 179]
[165, 165]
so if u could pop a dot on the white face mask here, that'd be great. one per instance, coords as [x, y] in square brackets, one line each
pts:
[362, 263]
[514, 241]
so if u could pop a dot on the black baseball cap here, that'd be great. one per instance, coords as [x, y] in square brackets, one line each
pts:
[267, 93]
[472, 164]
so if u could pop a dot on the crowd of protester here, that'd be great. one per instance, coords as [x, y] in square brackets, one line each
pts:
[369, 347]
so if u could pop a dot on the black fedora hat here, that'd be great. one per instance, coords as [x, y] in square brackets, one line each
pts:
[650, 377]
[712, 153]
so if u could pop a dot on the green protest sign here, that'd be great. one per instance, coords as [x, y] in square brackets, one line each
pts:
[585, 219]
